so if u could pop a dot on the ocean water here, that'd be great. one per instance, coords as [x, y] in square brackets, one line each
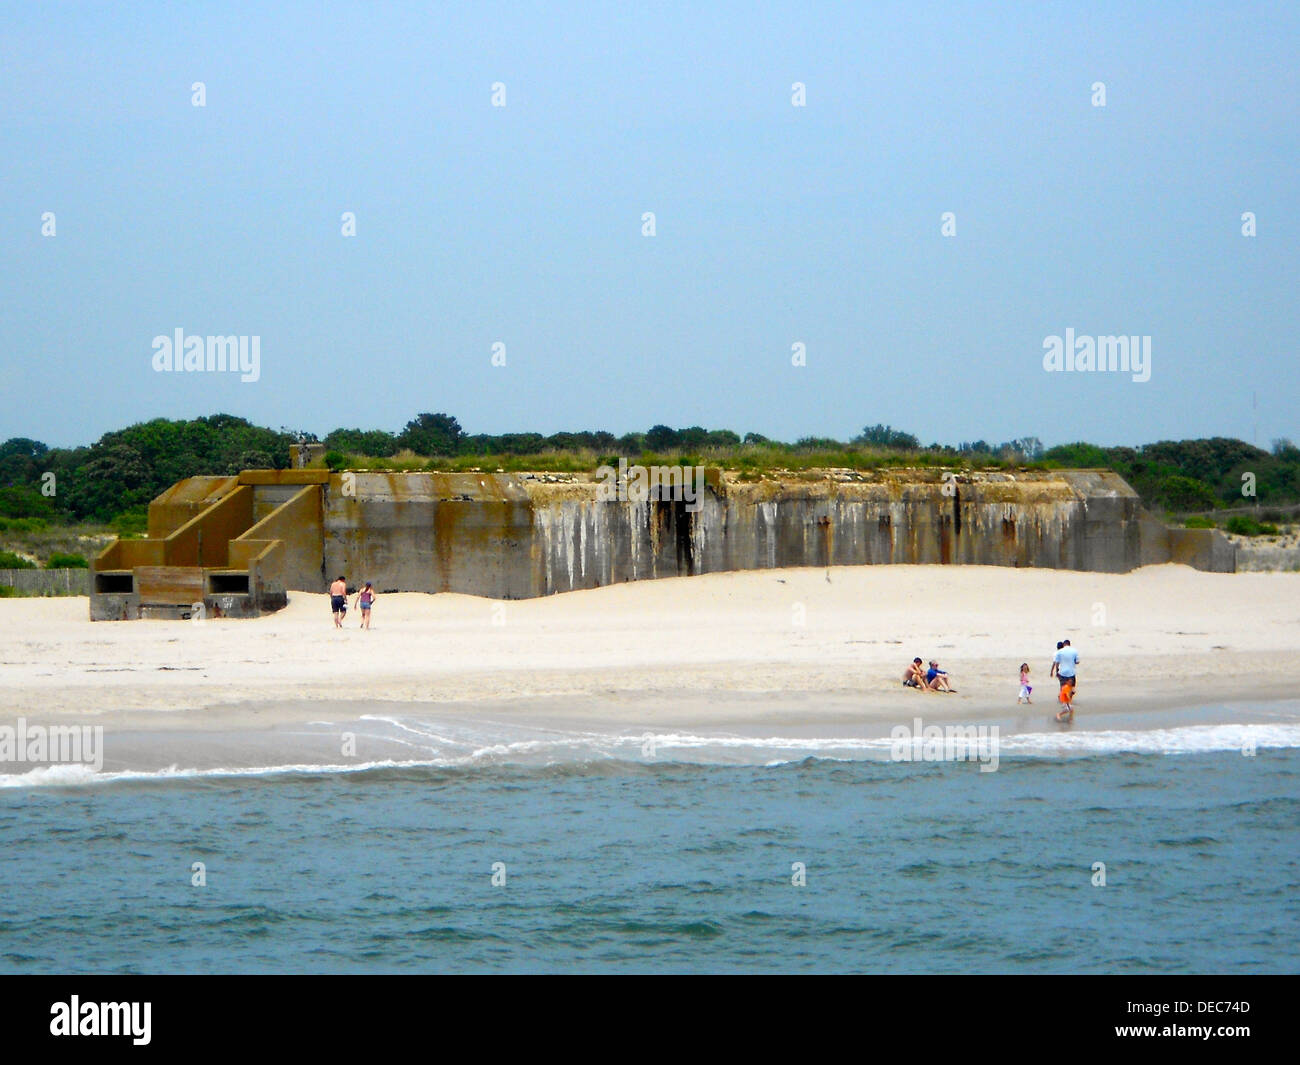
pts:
[681, 862]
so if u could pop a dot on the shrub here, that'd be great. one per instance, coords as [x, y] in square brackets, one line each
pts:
[1185, 493]
[64, 560]
[1245, 525]
[431, 434]
[251, 460]
[661, 438]
[1197, 522]
[23, 525]
[22, 501]
[373, 442]
[133, 522]
[9, 560]
[335, 460]
[887, 436]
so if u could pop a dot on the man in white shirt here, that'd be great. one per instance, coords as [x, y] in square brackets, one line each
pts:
[1065, 664]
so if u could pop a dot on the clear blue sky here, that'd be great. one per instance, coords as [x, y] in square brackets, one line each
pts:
[775, 224]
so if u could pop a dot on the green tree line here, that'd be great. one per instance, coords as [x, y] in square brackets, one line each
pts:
[113, 479]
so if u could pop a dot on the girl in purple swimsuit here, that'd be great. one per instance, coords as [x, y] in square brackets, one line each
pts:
[365, 599]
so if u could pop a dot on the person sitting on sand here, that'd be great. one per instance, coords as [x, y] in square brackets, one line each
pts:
[937, 679]
[339, 600]
[914, 676]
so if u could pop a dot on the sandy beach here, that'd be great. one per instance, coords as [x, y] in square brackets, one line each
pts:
[785, 646]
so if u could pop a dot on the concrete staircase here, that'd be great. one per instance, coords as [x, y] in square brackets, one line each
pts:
[228, 546]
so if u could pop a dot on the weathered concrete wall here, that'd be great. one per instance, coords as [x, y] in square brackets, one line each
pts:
[1253, 558]
[1077, 521]
[517, 536]
[126, 554]
[1153, 540]
[431, 532]
[47, 581]
[302, 455]
[1206, 549]
[265, 573]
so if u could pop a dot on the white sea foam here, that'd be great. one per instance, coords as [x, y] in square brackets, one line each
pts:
[61, 776]
[557, 747]
[1191, 739]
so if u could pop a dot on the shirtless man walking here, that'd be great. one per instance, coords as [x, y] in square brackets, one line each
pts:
[339, 601]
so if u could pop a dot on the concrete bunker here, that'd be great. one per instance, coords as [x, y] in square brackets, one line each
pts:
[239, 544]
